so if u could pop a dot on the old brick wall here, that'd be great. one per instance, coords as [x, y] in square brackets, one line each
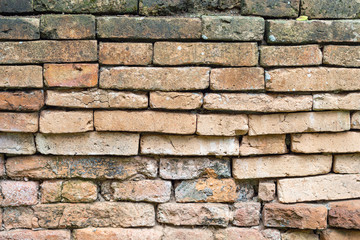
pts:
[179, 120]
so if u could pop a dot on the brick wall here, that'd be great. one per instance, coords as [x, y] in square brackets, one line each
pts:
[182, 119]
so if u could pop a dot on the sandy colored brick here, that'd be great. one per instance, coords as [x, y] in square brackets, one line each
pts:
[22, 234]
[96, 98]
[234, 233]
[330, 9]
[92, 143]
[21, 76]
[18, 193]
[16, 6]
[176, 100]
[79, 191]
[347, 163]
[125, 53]
[327, 187]
[305, 55]
[71, 75]
[296, 234]
[51, 191]
[301, 216]
[17, 143]
[345, 214]
[281, 166]
[194, 214]
[2, 165]
[154, 233]
[171, 233]
[152, 78]
[146, 121]
[269, 8]
[246, 214]
[221, 124]
[17, 217]
[189, 145]
[22, 101]
[339, 234]
[19, 28]
[257, 102]
[232, 54]
[328, 101]
[355, 120]
[342, 55]
[237, 79]
[18, 122]
[268, 144]
[267, 190]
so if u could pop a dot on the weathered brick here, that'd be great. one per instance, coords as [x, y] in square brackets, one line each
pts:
[299, 122]
[71, 75]
[190, 214]
[345, 214]
[302, 216]
[51, 191]
[247, 214]
[51, 167]
[154, 233]
[165, 79]
[148, 28]
[342, 55]
[222, 124]
[176, 100]
[347, 163]
[48, 51]
[338, 234]
[281, 166]
[17, 143]
[269, 144]
[22, 234]
[18, 193]
[18, 122]
[259, 102]
[162, 7]
[233, 28]
[21, 76]
[237, 79]
[330, 9]
[234, 233]
[17, 217]
[232, 54]
[290, 55]
[267, 190]
[269, 8]
[67, 27]
[296, 234]
[22, 101]
[19, 28]
[57, 121]
[327, 101]
[327, 187]
[355, 120]
[171, 233]
[189, 145]
[79, 191]
[16, 6]
[2, 165]
[125, 53]
[92, 143]
[291, 31]
[96, 98]
[145, 121]
[271, 234]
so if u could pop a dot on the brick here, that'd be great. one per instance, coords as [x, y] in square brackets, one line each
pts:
[57, 121]
[98, 6]
[21, 76]
[48, 51]
[328, 187]
[19, 28]
[191, 168]
[345, 214]
[98, 214]
[150, 78]
[232, 54]
[347, 163]
[171, 233]
[189, 145]
[51, 191]
[191, 214]
[86, 167]
[176, 100]
[234, 233]
[67, 27]
[233, 28]
[16, 6]
[92, 143]
[17, 143]
[21, 101]
[71, 75]
[268, 144]
[148, 28]
[18, 193]
[2, 166]
[299, 122]
[267, 190]
[342, 55]
[96, 98]
[145, 121]
[305, 55]
[312, 79]
[237, 79]
[338, 234]
[246, 214]
[271, 234]
[295, 234]
[291, 31]
[330, 9]
[79, 191]
[269, 8]
[327, 101]
[125, 53]
[18, 122]
[301, 216]
[18, 217]
[221, 124]
[257, 102]
[355, 120]
[246, 190]
[162, 7]
[154, 233]
[281, 166]
[22, 234]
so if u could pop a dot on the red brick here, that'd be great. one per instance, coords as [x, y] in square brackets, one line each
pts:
[17, 143]
[176, 100]
[22, 234]
[345, 214]
[154, 233]
[247, 214]
[346, 56]
[21, 76]
[19, 28]
[22, 101]
[18, 122]
[18, 193]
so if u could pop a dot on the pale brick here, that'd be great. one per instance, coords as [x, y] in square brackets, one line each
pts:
[79, 191]
[342, 55]
[189, 145]
[330, 9]
[22, 101]
[146, 121]
[345, 214]
[19, 28]
[327, 101]
[176, 100]
[338, 234]
[271, 234]
[257, 102]
[355, 120]
[17, 217]
[327, 187]
[269, 8]
[281, 166]
[171, 233]
[221, 124]
[232, 54]
[16, 6]
[154, 233]
[233, 233]
[247, 214]
[18, 122]
[268, 144]
[125, 53]
[22, 234]
[18, 193]
[296, 235]
[349, 163]
[51, 191]
[2, 165]
[93, 143]
[151, 78]
[17, 143]
[21, 76]
[267, 190]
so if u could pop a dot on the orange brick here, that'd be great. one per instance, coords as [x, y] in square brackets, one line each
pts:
[18, 122]
[21, 76]
[22, 101]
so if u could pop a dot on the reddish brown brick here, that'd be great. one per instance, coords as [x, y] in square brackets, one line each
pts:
[21, 101]
[21, 76]
[247, 214]
[18, 122]
[18, 193]
[22, 234]
[176, 100]
[346, 56]
[345, 214]
[19, 28]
